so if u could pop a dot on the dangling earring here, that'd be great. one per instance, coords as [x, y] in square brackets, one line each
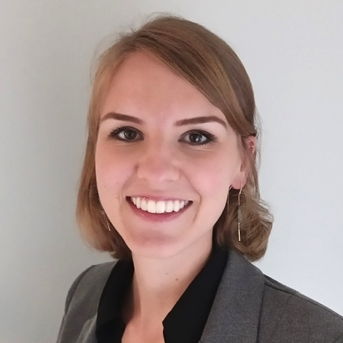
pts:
[106, 219]
[239, 215]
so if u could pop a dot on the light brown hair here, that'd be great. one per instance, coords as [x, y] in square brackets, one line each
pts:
[208, 63]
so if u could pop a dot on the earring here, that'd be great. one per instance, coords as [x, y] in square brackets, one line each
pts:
[239, 215]
[106, 219]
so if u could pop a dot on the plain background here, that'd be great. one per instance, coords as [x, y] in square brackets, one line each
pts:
[293, 52]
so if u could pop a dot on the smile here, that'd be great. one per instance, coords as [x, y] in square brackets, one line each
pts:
[160, 206]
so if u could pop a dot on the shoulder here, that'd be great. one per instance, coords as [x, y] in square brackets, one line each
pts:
[289, 316]
[89, 282]
[82, 300]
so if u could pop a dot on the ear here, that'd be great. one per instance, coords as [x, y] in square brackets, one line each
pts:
[248, 151]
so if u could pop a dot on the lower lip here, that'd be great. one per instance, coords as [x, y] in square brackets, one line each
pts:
[157, 217]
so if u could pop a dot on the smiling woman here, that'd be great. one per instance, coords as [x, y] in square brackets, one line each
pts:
[171, 152]
[178, 75]
[169, 187]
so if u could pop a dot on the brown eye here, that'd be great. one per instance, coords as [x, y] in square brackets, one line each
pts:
[199, 138]
[129, 134]
[126, 134]
[196, 138]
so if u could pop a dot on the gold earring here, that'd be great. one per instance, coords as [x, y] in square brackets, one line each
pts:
[239, 215]
[106, 219]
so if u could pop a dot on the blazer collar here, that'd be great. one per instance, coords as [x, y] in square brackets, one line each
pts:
[235, 313]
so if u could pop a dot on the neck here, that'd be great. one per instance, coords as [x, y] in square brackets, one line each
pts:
[159, 283]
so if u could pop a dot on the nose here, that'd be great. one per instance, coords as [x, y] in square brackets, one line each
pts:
[158, 163]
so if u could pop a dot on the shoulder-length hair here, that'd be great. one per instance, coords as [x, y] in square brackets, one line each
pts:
[208, 63]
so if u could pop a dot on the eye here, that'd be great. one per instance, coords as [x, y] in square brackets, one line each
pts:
[199, 137]
[125, 133]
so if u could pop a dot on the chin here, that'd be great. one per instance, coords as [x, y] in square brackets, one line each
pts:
[156, 247]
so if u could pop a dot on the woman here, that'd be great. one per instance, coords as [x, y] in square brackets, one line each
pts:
[169, 187]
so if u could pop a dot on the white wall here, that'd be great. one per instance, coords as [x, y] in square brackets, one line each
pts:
[293, 52]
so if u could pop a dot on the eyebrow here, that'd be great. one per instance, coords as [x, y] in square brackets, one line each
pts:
[182, 122]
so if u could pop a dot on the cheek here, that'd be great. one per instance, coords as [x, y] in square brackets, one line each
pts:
[213, 176]
[214, 185]
[212, 182]
[110, 170]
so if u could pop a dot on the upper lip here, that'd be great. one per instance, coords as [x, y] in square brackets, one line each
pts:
[157, 198]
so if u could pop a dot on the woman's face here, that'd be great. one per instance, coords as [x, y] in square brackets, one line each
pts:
[162, 144]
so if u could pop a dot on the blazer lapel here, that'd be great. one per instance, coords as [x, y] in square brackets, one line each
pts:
[87, 334]
[235, 313]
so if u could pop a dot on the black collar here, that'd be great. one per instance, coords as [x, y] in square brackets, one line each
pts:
[184, 323]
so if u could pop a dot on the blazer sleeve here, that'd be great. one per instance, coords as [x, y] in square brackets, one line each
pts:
[82, 301]
[289, 316]
[69, 297]
[339, 339]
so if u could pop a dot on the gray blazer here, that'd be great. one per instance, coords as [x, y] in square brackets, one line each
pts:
[249, 307]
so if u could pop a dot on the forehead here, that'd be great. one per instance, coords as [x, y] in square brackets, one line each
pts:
[144, 83]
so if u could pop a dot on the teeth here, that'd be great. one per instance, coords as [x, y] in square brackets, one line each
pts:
[177, 206]
[159, 206]
[143, 204]
[151, 207]
[169, 206]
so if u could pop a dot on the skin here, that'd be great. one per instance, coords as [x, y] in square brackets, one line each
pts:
[166, 161]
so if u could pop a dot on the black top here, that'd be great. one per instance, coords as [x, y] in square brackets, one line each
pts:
[183, 324]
